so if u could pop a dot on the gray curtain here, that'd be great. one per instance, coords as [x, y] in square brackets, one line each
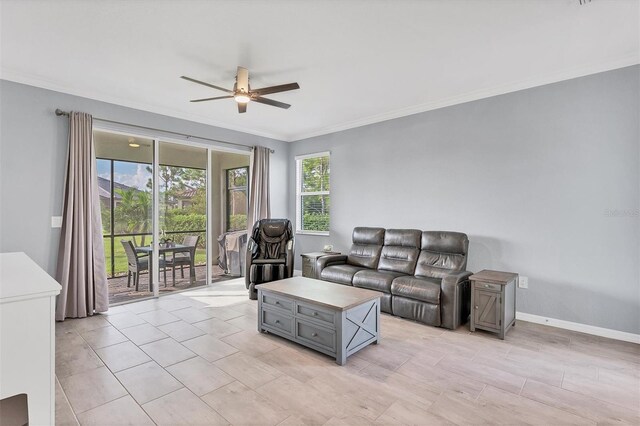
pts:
[259, 200]
[81, 264]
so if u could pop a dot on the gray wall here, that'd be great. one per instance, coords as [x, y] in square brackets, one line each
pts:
[33, 149]
[530, 176]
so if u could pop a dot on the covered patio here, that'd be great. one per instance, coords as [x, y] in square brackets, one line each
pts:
[120, 293]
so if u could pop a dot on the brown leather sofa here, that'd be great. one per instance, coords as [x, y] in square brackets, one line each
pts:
[420, 273]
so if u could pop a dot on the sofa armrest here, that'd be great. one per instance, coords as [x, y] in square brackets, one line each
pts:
[454, 299]
[331, 259]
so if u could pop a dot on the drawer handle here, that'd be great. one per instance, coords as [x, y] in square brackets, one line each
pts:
[314, 334]
[476, 306]
[277, 303]
[315, 314]
[277, 321]
[486, 286]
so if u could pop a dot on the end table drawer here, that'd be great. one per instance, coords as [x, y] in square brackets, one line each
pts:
[488, 286]
[307, 311]
[278, 302]
[316, 335]
[278, 321]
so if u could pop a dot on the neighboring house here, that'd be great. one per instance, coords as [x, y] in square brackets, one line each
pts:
[104, 190]
[184, 199]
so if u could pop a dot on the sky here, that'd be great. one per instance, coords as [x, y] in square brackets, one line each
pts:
[130, 174]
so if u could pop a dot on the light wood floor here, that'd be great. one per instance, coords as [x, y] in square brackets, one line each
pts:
[196, 358]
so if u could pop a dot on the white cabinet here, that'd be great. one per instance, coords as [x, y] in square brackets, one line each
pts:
[27, 335]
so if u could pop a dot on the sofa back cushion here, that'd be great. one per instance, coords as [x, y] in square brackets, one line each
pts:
[400, 250]
[441, 253]
[366, 248]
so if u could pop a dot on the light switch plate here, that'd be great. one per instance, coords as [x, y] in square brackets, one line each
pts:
[523, 282]
[56, 221]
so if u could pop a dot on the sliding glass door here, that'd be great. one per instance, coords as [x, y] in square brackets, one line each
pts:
[182, 191]
[230, 199]
[174, 214]
[125, 187]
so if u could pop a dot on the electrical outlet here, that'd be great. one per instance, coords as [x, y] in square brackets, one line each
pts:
[523, 282]
[56, 221]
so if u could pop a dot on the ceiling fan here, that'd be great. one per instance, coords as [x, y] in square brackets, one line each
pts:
[243, 94]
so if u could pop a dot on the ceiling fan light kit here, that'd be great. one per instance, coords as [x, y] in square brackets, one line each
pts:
[243, 94]
[242, 98]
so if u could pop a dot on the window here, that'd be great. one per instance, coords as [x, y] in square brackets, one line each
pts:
[237, 199]
[312, 194]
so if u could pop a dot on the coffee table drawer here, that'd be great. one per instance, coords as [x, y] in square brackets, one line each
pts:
[278, 302]
[278, 321]
[316, 335]
[324, 317]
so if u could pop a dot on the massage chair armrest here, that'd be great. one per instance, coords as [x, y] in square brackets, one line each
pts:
[290, 256]
[332, 259]
[454, 299]
[252, 248]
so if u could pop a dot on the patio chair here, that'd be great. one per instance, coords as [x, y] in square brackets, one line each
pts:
[139, 263]
[183, 258]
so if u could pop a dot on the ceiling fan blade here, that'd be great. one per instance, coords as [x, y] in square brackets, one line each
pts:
[276, 89]
[271, 102]
[211, 99]
[242, 80]
[193, 80]
[242, 108]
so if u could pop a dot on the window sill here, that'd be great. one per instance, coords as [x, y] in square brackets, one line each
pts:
[318, 233]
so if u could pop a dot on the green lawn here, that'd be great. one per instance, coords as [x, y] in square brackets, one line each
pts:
[120, 258]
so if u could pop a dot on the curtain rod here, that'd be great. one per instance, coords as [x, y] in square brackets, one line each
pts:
[60, 112]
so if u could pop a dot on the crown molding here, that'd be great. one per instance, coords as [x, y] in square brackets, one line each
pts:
[37, 81]
[629, 60]
[622, 62]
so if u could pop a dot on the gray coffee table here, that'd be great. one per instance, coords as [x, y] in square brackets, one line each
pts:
[334, 319]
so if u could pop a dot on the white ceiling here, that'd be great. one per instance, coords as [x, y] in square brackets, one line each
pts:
[357, 62]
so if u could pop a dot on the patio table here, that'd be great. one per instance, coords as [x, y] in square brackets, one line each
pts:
[173, 248]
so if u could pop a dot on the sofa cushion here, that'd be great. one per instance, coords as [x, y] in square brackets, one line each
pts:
[445, 242]
[426, 313]
[342, 274]
[438, 265]
[416, 288]
[366, 248]
[403, 237]
[366, 235]
[375, 280]
[400, 251]
[442, 252]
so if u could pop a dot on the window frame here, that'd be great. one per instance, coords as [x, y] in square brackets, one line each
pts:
[300, 193]
[227, 204]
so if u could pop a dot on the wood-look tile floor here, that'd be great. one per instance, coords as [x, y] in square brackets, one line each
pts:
[196, 358]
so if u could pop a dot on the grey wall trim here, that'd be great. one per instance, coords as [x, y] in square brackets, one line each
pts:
[33, 149]
[545, 181]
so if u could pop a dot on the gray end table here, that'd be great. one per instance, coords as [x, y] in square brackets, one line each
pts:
[309, 262]
[493, 301]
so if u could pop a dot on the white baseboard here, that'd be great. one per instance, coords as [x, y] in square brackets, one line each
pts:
[582, 328]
